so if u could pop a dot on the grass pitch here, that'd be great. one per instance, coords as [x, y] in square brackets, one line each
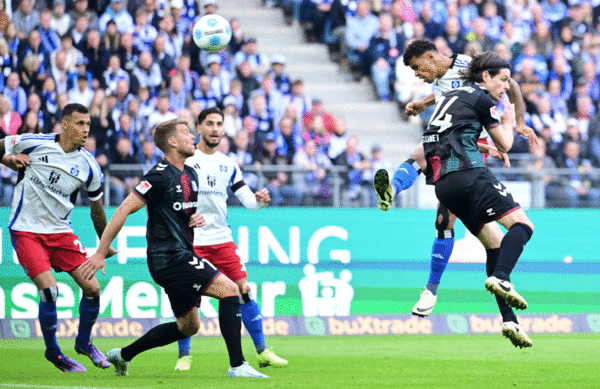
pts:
[461, 361]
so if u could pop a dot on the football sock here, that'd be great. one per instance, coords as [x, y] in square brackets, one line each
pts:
[231, 329]
[253, 322]
[158, 336]
[88, 313]
[511, 248]
[440, 255]
[490, 265]
[406, 175]
[185, 345]
[48, 323]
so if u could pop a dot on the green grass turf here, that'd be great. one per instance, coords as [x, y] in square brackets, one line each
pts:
[458, 361]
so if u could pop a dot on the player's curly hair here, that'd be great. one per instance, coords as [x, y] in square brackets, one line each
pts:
[417, 48]
[163, 131]
[489, 62]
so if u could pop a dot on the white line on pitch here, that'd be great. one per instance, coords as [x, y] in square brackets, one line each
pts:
[53, 387]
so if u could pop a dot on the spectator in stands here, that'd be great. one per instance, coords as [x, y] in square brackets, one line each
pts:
[479, 35]
[359, 30]
[144, 34]
[204, 95]
[581, 193]
[162, 113]
[25, 18]
[165, 61]
[113, 74]
[95, 53]
[220, 79]
[91, 147]
[273, 97]
[433, 28]
[279, 184]
[280, 78]
[81, 9]
[119, 15]
[338, 140]
[10, 121]
[313, 184]
[61, 22]
[384, 50]
[259, 62]
[111, 37]
[148, 73]
[78, 32]
[527, 79]
[353, 194]
[122, 181]
[15, 94]
[542, 38]
[82, 93]
[454, 36]
[30, 125]
[301, 102]
[237, 36]
[318, 109]
[248, 79]
[265, 122]
[150, 156]
[288, 139]
[232, 122]
[319, 20]
[560, 71]
[128, 53]
[178, 97]
[546, 116]
[50, 39]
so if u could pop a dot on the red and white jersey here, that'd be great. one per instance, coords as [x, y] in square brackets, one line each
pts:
[216, 172]
[47, 188]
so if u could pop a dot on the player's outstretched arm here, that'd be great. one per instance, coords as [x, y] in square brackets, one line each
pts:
[99, 219]
[416, 107]
[132, 204]
[516, 97]
[252, 200]
[15, 162]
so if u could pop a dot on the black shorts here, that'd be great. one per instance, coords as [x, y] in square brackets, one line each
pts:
[186, 283]
[475, 196]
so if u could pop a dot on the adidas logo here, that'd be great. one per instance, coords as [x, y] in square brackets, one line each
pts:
[43, 159]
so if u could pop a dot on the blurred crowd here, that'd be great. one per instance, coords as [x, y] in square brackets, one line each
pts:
[134, 64]
[552, 45]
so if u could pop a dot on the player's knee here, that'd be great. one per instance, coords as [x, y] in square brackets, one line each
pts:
[49, 295]
[91, 291]
[190, 328]
[245, 298]
[231, 290]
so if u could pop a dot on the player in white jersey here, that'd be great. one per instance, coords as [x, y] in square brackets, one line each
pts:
[445, 73]
[214, 241]
[53, 169]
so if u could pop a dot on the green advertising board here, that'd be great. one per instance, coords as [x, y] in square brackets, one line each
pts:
[337, 262]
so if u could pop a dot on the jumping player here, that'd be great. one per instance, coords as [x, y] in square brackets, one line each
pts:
[52, 170]
[444, 72]
[170, 189]
[213, 241]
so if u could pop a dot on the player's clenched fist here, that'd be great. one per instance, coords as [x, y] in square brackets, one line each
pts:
[263, 196]
[197, 220]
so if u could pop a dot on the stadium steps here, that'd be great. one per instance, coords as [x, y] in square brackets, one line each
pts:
[371, 121]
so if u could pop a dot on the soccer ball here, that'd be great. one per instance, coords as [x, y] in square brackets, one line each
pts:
[211, 33]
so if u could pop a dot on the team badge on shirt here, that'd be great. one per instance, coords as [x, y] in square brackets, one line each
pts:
[455, 84]
[143, 187]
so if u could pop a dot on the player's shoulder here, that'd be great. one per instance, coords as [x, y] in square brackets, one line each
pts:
[34, 140]
[461, 61]
[89, 158]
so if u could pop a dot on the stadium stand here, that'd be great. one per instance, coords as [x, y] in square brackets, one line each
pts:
[305, 85]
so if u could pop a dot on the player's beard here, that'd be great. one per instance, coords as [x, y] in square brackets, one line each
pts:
[210, 144]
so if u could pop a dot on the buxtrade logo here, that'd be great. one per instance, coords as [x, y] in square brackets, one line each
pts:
[212, 181]
[54, 177]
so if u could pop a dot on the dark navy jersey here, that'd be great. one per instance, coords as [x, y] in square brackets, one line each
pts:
[172, 197]
[450, 142]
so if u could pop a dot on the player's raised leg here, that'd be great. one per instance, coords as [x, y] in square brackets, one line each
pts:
[403, 178]
[89, 307]
[440, 255]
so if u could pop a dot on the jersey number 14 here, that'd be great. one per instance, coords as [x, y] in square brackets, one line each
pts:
[442, 119]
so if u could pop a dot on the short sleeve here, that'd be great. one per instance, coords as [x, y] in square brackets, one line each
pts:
[25, 144]
[151, 188]
[486, 111]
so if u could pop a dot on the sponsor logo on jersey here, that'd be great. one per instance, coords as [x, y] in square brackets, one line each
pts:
[54, 177]
[494, 112]
[212, 180]
[143, 187]
[74, 172]
[178, 206]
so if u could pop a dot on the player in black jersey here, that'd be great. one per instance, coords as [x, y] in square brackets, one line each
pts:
[469, 189]
[170, 189]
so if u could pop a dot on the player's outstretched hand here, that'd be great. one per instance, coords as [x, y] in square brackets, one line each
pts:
[111, 252]
[414, 108]
[263, 196]
[197, 220]
[16, 162]
[91, 266]
[528, 133]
